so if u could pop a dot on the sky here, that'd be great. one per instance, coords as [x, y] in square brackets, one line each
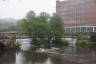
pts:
[19, 8]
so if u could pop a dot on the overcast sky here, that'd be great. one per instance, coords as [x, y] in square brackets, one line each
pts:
[18, 8]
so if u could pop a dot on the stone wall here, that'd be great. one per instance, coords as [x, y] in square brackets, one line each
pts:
[8, 38]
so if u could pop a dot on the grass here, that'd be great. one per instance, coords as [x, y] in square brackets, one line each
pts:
[4, 27]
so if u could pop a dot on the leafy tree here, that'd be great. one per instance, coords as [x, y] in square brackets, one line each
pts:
[24, 27]
[43, 31]
[56, 29]
[36, 29]
[56, 23]
[30, 14]
[44, 15]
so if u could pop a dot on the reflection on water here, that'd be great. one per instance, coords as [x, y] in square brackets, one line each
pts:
[27, 55]
[7, 57]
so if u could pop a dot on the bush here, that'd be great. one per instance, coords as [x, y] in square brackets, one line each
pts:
[81, 38]
[82, 43]
[43, 44]
[65, 43]
[60, 43]
[17, 45]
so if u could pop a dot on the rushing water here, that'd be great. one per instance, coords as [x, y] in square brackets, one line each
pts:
[27, 55]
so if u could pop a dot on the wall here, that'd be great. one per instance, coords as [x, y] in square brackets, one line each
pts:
[8, 39]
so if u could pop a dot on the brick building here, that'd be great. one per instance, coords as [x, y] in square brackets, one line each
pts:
[78, 15]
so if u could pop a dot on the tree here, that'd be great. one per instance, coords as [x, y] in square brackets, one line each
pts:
[37, 29]
[30, 15]
[23, 27]
[43, 31]
[44, 17]
[56, 24]
[57, 30]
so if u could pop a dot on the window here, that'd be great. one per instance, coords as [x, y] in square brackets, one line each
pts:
[89, 29]
[78, 29]
[94, 29]
[83, 29]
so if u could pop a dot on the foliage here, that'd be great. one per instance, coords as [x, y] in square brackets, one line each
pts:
[65, 43]
[43, 30]
[60, 43]
[30, 14]
[82, 42]
[81, 37]
[56, 23]
[17, 45]
[44, 16]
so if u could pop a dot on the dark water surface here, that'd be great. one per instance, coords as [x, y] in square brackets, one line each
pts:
[28, 56]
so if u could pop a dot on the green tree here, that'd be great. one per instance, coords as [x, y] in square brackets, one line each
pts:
[57, 30]
[24, 27]
[44, 15]
[30, 15]
[37, 29]
[43, 30]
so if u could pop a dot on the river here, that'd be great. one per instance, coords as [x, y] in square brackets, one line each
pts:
[27, 55]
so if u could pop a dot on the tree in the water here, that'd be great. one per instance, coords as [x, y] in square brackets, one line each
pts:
[43, 30]
[57, 30]
[37, 28]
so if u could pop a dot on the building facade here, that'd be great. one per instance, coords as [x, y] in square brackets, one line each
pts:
[78, 15]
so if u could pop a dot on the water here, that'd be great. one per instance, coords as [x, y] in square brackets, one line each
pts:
[72, 41]
[27, 55]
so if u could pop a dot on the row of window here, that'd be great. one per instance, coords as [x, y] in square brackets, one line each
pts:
[77, 16]
[76, 2]
[76, 21]
[79, 11]
[79, 6]
[81, 29]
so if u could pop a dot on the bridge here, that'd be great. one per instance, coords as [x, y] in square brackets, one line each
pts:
[70, 36]
[24, 37]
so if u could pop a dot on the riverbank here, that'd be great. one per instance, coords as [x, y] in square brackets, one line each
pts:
[29, 55]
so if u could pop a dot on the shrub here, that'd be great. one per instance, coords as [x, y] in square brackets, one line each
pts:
[82, 43]
[17, 45]
[60, 43]
[81, 38]
[65, 43]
